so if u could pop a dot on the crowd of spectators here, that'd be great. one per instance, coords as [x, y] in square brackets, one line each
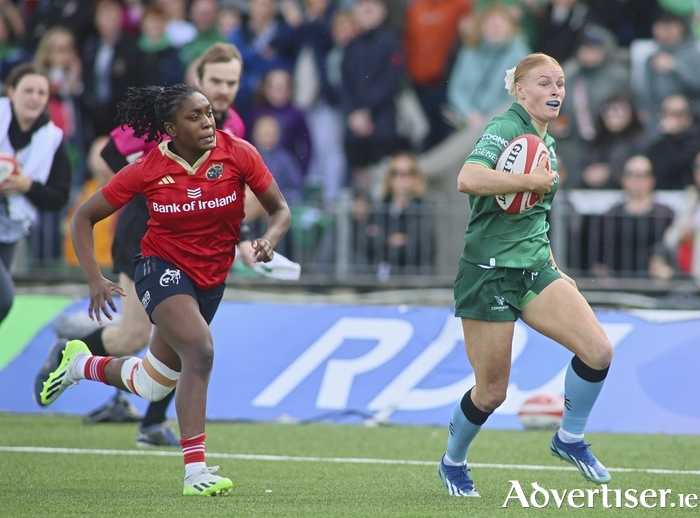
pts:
[322, 79]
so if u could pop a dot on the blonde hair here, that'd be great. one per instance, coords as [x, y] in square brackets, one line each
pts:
[473, 38]
[525, 65]
[43, 51]
[420, 182]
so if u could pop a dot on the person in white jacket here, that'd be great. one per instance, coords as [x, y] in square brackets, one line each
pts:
[33, 148]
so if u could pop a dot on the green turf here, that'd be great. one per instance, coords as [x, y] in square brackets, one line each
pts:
[91, 484]
[28, 315]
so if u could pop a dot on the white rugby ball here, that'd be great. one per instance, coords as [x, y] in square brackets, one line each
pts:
[8, 166]
[521, 156]
[542, 412]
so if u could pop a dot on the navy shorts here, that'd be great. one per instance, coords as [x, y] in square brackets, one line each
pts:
[157, 279]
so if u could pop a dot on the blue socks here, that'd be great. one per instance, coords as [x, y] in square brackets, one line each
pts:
[581, 388]
[465, 424]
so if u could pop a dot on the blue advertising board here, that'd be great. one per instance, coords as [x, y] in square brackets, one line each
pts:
[405, 365]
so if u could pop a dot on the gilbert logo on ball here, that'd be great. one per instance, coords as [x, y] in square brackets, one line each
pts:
[542, 412]
[521, 156]
[8, 166]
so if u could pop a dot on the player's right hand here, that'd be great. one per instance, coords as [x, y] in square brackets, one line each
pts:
[101, 299]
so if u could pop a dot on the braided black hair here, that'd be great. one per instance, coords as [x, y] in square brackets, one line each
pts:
[147, 109]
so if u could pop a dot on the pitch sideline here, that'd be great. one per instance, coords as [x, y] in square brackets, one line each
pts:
[340, 460]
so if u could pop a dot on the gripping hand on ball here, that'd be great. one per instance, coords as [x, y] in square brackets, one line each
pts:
[542, 178]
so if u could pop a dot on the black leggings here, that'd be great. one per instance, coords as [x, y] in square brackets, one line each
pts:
[7, 287]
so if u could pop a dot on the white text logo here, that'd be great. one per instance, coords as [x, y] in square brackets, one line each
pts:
[607, 498]
[171, 208]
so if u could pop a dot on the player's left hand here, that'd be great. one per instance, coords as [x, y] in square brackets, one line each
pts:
[263, 251]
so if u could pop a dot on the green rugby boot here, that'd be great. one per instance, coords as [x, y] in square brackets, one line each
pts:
[205, 483]
[60, 380]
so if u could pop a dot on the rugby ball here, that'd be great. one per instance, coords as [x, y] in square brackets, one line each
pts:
[542, 412]
[8, 166]
[521, 156]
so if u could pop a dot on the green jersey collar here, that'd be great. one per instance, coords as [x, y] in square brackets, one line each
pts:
[526, 118]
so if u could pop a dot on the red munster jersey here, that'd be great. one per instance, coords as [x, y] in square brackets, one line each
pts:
[196, 211]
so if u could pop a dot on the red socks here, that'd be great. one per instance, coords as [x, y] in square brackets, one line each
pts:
[95, 368]
[193, 448]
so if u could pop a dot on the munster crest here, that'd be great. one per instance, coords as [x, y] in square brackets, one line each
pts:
[215, 171]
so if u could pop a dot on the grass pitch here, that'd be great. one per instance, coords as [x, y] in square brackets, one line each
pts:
[56, 466]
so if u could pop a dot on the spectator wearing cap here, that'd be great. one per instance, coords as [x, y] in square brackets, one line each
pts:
[674, 154]
[593, 75]
[672, 69]
[686, 8]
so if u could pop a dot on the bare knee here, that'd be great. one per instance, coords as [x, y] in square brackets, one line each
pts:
[488, 398]
[598, 354]
[199, 358]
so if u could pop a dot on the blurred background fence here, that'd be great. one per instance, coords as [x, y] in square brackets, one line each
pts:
[349, 246]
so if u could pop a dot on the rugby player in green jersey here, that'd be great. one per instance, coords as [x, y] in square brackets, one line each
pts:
[507, 272]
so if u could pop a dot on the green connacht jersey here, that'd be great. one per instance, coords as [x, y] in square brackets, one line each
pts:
[494, 237]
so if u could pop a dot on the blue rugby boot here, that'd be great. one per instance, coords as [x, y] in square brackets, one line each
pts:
[456, 479]
[579, 455]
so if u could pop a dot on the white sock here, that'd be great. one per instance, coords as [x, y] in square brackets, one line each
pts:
[76, 370]
[194, 467]
[567, 437]
[450, 462]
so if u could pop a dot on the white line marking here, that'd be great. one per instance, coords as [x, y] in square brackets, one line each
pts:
[340, 460]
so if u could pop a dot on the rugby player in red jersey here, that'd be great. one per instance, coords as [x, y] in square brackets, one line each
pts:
[194, 186]
[218, 76]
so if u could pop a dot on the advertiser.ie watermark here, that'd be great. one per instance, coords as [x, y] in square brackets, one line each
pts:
[601, 497]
